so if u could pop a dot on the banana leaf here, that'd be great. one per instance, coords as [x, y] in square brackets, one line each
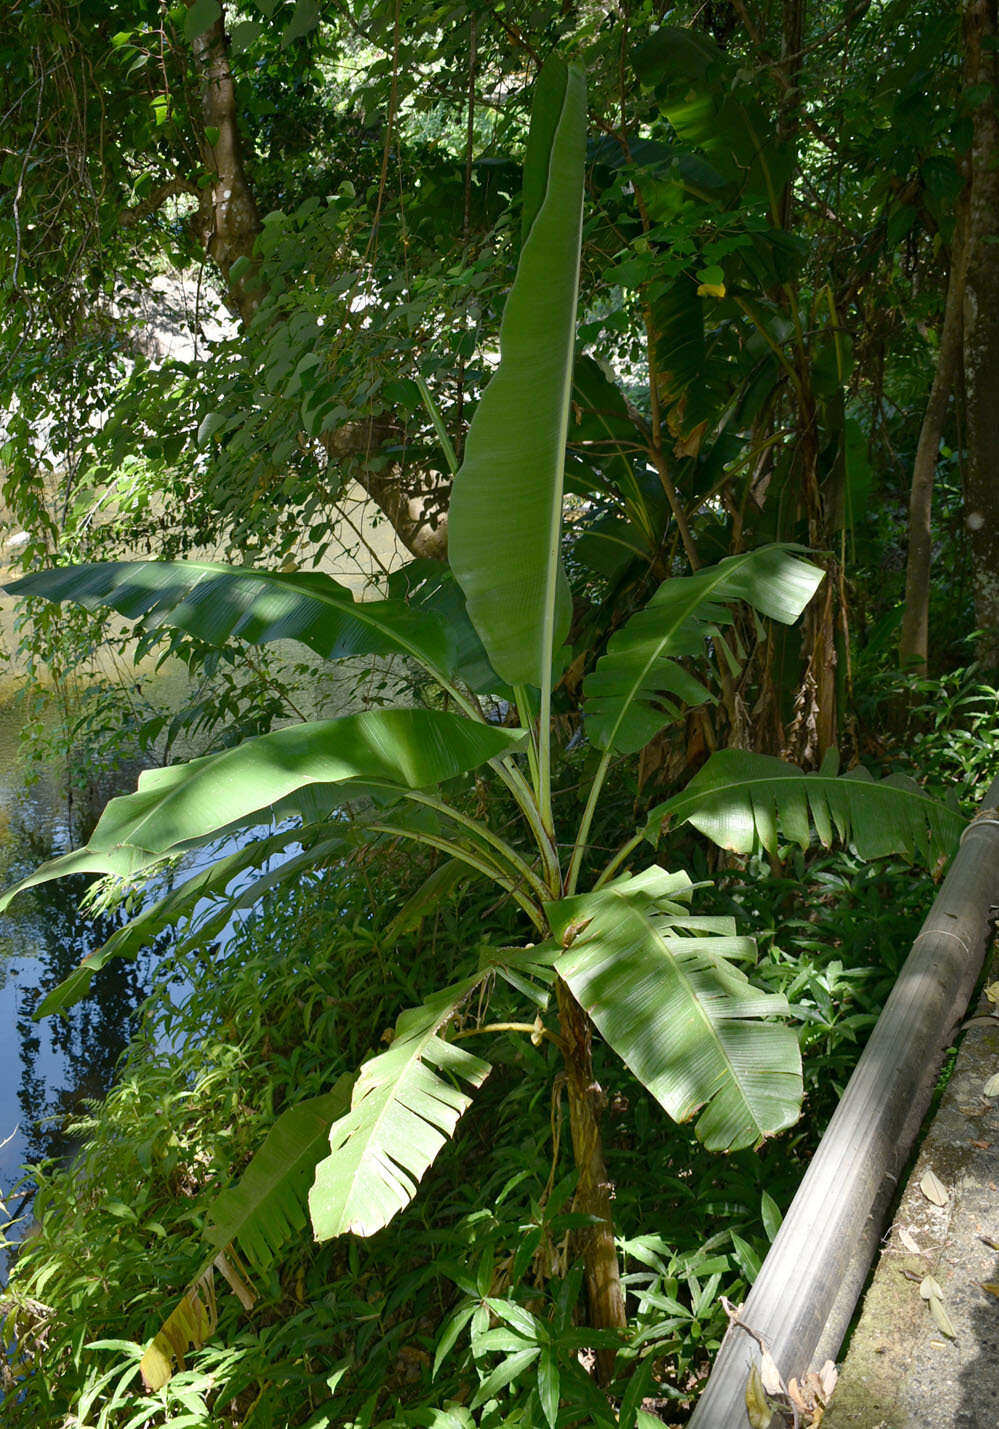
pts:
[668, 998]
[403, 1112]
[505, 521]
[741, 800]
[219, 603]
[268, 1204]
[634, 688]
[128, 941]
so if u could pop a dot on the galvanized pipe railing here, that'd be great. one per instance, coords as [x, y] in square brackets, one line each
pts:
[808, 1286]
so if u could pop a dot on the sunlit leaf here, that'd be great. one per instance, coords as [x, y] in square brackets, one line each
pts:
[218, 603]
[688, 1023]
[933, 1188]
[740, 800]
[402, 1113]
[505, 521]
[637, 685]
[268, 1204]
[407, 748]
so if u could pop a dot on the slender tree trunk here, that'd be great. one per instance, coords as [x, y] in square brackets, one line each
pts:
[228, 221]
[604, 1295]
[814, 726]
[981, 328]
[914, 642]
[789, 117]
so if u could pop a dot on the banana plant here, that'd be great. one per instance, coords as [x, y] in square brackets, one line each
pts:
[612, 951]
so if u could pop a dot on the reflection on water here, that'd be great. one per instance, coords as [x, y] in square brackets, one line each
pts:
[64, 1059]
[48, 1068]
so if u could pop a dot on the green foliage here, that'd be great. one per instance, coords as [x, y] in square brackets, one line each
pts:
[743, 800]
[661, 988]
[659, 984]
[506, 511]
[400, 1321]
[628, 695]
[401, 1114]
[218, 604]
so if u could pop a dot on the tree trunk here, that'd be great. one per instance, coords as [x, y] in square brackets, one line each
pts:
[227, 220]
[604, 1295]
[814, 726]
[227, 225]
[981, 329]
[789, 115]
[914, 642]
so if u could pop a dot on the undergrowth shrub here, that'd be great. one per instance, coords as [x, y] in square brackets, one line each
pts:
[446, 1316]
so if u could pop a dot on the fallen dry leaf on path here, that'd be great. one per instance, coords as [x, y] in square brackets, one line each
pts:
[933, 1188]
[933, 1295]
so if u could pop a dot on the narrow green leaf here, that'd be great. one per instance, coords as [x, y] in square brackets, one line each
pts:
[549, 1386]
[505, 521]
[770, 1214]
[453, 1326]
[504, 1373]
[515, 1315]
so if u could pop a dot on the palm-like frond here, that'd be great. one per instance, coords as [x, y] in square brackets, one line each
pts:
[402, 1114]
[268, 1204]
[260, 1214]
[664, 993]
[218, 603]
[741, 800]
[633, 689]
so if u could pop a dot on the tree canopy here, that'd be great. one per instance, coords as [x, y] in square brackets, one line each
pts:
[775, 197]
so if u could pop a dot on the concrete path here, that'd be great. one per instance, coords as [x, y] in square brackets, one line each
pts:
[903, 1370]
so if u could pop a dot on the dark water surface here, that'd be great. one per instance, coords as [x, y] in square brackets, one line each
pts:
[48, 1068]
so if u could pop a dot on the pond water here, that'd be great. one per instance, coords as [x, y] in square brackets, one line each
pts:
[48, 1068]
